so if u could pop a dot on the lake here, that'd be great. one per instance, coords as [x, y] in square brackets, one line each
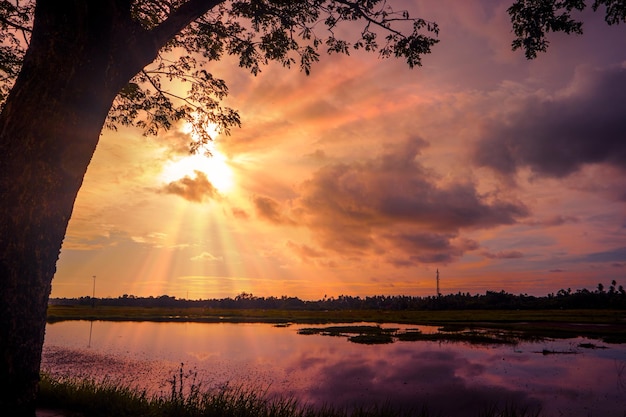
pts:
[568, 377]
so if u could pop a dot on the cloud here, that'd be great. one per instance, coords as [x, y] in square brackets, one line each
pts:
[304, 252]
[557, 135]
[395, 187]
[613, 255]
[420, 241]
[557, 220]
[192, 189]
[422, 247]
[270, 210]
[206, 256]
[427, 378]
[318, 156]
[393, 204]
[239, 213]
[513, 254]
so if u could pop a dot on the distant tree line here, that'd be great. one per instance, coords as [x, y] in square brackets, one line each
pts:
[600, 298]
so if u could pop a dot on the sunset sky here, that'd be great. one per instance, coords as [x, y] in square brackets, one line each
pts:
[366, 177]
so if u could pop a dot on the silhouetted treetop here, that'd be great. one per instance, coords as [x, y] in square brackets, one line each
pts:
[490, 300]
[185, 36]
[533, 19]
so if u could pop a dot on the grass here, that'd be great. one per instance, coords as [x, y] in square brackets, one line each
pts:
[367, 335]
[106, 399]
[85, 398]
[206, 315]
[377, 335]
[444, 317]
[607, 325]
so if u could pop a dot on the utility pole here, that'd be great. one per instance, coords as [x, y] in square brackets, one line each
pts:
[93, 296]
[438, 292]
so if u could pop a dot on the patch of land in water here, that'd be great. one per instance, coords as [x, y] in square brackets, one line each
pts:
[608, 325]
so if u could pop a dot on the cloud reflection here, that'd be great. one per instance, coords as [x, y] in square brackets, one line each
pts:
[442, 380]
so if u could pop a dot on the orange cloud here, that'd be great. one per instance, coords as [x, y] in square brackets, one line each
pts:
[270, 210]
[513, 254]
[192, 189]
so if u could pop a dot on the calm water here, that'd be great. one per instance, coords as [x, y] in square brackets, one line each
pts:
[456, 379]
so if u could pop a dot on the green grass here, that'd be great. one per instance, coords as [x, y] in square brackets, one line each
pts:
[107, 399]
[60, 313]
[85, 398]
[607, 325]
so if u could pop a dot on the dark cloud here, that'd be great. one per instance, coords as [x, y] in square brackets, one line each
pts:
[192, 189]
[270, 210]
[441, 248]
[401, 263]
[395, 187]
[420, 241]
[393, 203]
[555, 136]
[436, 257]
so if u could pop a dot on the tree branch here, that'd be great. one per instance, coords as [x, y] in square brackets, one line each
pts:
[14, 25]
[369, 19]
[181, 17]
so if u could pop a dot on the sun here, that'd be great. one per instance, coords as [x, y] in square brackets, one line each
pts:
[216, 167]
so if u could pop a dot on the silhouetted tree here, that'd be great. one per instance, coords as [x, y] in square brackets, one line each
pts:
[580, 299]
[533, 19]
[71, 66]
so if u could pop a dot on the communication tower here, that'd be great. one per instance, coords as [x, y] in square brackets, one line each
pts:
[93, 295]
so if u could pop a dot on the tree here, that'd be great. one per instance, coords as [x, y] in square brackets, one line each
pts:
[533, 19]
[70, 67]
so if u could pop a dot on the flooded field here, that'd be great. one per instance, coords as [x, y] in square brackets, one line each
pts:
[572, 377]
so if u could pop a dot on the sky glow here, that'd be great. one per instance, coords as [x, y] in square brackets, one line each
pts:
[365, 177]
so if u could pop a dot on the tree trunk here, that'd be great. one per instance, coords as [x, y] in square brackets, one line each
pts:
[77, 61]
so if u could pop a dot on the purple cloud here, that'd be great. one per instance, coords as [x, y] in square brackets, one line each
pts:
[557, 135]
[392, 203]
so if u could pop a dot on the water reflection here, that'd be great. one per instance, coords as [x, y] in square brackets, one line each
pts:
[452, 378]
[448, 382]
